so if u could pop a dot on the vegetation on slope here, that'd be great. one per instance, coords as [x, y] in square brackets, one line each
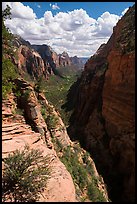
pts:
[56, 89]
[79, 164]
[24, 176]
[9, 71]
[77, 161]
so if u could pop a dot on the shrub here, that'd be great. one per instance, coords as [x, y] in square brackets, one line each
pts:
[25, 175]
[19, 111]
[58, 145]
[8, 74]
[76, 169]
[94, 194]
[26, 94]
[51, 121]
[43, 112]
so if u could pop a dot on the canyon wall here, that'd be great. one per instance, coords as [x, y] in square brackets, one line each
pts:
[40, 60]
[104, 111]
[27, 60]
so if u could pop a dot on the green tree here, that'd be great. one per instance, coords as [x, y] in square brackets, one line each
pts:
[6, 34]
[25, 175]
[9, 72]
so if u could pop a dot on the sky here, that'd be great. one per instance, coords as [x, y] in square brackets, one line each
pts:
[78, 28]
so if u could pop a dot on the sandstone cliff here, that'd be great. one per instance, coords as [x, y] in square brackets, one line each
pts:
[50, 58]
[103, 118]
[27, 60]
[64, 59]
[36, 61]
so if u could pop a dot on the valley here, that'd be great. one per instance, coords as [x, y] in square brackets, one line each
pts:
[79, 111]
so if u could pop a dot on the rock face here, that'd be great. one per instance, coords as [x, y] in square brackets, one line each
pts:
[50, 58]
[103, 117]
[39, 60]
[77, 61]
[29, 102]
[16, 134]
[27, 60]
[64, 59]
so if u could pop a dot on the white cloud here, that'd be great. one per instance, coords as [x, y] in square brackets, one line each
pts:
[54, 6]
[73, 31]
[19, 10]
[125, 10]
[105, 24]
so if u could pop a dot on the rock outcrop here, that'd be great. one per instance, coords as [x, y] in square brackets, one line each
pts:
[103, 117]
[16, 134]
[64, 59]
[78, 62]
[50, 58]
[28, 61]
[32, 103]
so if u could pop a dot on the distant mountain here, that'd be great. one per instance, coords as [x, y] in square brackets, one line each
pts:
[78, 61]
[42, 60]
[83, 59]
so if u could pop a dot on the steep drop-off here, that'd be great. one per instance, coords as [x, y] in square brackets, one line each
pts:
[28, 118]
[104, 106]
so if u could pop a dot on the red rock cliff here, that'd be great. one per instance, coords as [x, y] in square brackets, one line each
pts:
[28, 60]
[103, 117]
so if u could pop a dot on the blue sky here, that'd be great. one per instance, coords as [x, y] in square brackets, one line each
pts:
[94, 9]
[78, 28]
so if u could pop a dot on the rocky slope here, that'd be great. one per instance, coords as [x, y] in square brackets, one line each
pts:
[16, 134]
[104, 108]
[41, 127]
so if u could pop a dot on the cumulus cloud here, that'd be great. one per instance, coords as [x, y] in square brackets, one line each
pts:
[105, 24]
[73, 31]
[54, 6]
[19, 10]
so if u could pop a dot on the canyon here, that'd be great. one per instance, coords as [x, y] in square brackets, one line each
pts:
[93, 158]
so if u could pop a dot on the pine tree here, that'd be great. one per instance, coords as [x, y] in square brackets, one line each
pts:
[9, 71]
